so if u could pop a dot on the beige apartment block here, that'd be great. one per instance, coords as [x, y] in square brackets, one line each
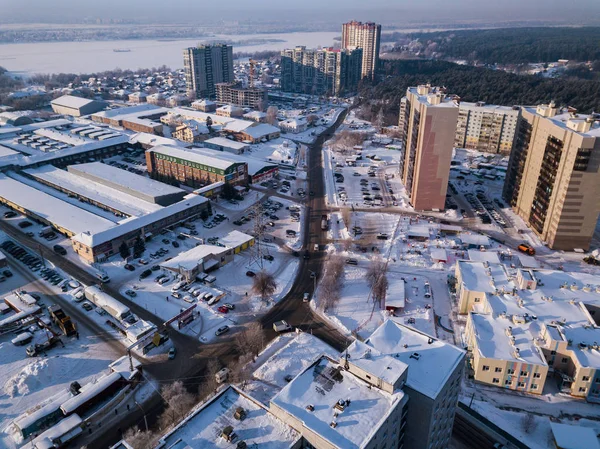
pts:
[366, 36]
[487, 128]
[205, 66]
[529, 327]
[554, 173]
[428, 126]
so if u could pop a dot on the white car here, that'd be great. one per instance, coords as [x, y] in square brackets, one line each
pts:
[306, 297]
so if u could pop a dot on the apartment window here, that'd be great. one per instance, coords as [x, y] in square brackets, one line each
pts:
[486, 368]
[552, 352]
[586, 378]
[510, 371]
[582, 389]
[597, 380]
[534, 386]
[508, 382]
[521, 384]
[498, 370]
[564, 360]
[495, 380]
[537, 375]
[524, 373]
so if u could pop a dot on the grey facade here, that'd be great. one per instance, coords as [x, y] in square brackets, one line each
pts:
[207, 65]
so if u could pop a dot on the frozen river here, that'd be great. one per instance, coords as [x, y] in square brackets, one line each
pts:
[89, 57]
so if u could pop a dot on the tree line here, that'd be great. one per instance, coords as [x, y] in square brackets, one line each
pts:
[476, 84]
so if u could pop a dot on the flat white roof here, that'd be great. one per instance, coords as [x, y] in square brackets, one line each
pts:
[479, 278]
[567, 436]
[436, 361]
[483, 256]
[261, 130]
[59, 212]
[475, 239]
[383, 366]
[222, 141]
[203, 426]
[137, 110]
[100, 193]
[322, 385]
[254, 165]
[194, 155]
[235, 239]
[191, 258]
[71, 101]
[125, 179]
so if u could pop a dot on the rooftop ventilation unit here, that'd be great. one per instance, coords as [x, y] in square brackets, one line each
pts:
[415, 355]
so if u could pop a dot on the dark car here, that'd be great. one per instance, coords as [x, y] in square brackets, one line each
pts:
[129, 267]
[59, 250]
[268, 257]
[306, 255]
[145, 274]
[175, 244]
[10, 214]
[7, 273]
[25, 224]
[250, 274]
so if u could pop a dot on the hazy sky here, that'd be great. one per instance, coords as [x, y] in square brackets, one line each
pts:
[383, 10]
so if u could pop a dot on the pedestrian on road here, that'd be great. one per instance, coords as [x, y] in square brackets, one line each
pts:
[77, 335]
[167, 299]
[246, 293]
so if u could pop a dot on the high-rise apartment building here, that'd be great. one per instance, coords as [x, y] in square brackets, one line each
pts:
[207, 65]
[245, 97]
[487, 128]
[368, 37]
[427, 126]
[554, 173]
[320, 72]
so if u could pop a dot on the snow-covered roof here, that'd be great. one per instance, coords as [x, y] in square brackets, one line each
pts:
[237, 126]
[261, 130]
[439, 254]
[71, 425]
[89, 391]
[478, 277]
[194, 155]
[475, 239]
[129, 110]
[430, 369]
[235, 239]
[95, 191]
[254, 165]
[396, 296]
[123, 180]
[229, 108]
[153, 140]
[208, 188]
[382, 366]
[202, 428]
[567, 436]
[228, 143]
[49, 407]
[493, 343]
[127, 226]
[59, 212]
[483, 256]
[322, 385]
[71, 101]
[191, 258]
[254, 115]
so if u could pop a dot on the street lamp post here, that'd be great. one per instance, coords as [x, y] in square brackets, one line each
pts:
[145, 420]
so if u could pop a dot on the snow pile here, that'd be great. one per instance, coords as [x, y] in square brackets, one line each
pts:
[28, 379]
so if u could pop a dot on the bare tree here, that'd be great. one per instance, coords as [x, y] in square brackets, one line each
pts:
[241, 372]
[272, 115]
[140, 439]
[377, 280]
[528, 423]
[346, 216]
[379, 119]
[251, 340]
[347, 244]
[210, 384]
[179, 402]
[312, 119]
[264, 285]
[331, 283]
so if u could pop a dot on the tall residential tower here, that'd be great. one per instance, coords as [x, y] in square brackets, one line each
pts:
[554, 173]
[366, 36]
[205, 66]
[427, 125]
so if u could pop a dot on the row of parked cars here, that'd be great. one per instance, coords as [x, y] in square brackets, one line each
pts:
[34, 263]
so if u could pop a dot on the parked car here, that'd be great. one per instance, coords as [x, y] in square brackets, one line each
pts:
[129, 267]
[222, 330]
[131, 293]
[223, 309]
[87, 306]
[172, 353]
[250, 274]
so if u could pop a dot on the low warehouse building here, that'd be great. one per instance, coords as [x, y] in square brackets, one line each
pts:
[132, 184]
[76, 106]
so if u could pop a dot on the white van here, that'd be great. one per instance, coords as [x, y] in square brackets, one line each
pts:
[103, 277]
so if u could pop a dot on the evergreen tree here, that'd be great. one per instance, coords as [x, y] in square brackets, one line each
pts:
[124, 250]
[138, 247]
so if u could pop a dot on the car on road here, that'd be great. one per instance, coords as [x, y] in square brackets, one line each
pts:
[7, 273]
[222, 330]
[87, 306]
[268, 257]
[59, 250]
[382, 236]
[131, 293]
[10, 214]
[172, 353]
[223, 309]
[25, 224]
[306, 297]
[306, 255]
[129, 267]
[250, 274]
[352, 261]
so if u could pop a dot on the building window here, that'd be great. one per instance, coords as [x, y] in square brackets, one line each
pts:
[586, 378]
[552, 352]
[582, 389]
[534, 386]
[521, 384]
[524, 373]
[564, 360]
[508, 382]
[495, 380]
[498, 370]
[537, 375]
[486, 368]
[510, 371]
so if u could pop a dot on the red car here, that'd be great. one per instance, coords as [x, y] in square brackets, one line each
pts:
[223, 309]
